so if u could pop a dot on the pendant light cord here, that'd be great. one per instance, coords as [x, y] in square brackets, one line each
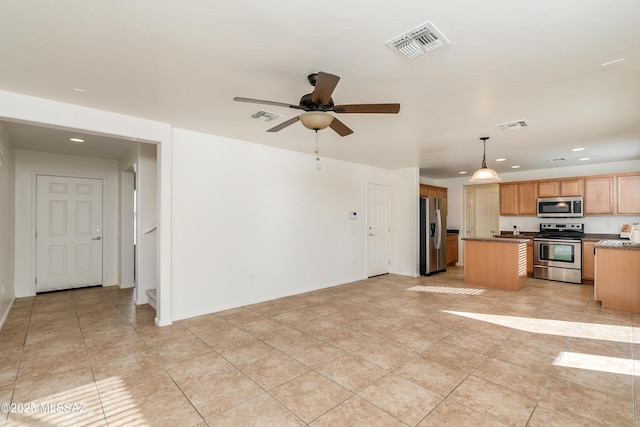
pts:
[484, 152]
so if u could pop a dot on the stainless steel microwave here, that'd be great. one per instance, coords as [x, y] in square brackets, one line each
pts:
[560, 207]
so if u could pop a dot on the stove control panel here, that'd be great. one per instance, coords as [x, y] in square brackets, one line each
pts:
[562, 227]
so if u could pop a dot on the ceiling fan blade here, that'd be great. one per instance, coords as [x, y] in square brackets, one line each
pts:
[325, 84]
[340, 128]
[368, 108]
[260, 101]
[284, 124]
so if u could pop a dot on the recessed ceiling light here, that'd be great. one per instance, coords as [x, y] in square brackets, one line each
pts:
[585, 158]
[77, 140]
[462, 172]
[610, 64]
[500, 160]
[77, 89]
[578, 149]
[515, 167]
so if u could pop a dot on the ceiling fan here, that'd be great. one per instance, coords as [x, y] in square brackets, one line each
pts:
[317, 104]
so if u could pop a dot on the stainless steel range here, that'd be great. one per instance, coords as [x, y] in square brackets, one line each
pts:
[557, 252]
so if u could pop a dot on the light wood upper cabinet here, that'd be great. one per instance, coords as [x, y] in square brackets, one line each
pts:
[628, 194]
[442, 192]
[527, 198]
[571, 187]
[560, 188]
[433, 191]
[598, 195]
[518, 198]
[509, 199]
[548, 189]
[603, 194]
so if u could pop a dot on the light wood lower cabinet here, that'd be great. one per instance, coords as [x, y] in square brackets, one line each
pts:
[452, 249]
[588, 261]
[616, 279]
[530, 258]
[495, 263]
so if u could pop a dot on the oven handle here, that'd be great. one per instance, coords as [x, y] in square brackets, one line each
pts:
[535, 239]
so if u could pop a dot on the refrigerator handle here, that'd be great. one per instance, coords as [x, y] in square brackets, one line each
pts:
[438, 236]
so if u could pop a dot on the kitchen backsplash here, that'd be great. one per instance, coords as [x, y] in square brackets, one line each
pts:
[609, 224]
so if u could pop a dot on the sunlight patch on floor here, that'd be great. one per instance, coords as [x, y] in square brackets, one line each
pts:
[117, 400]
[76, 406]
[555, 327]
[594, 362]
[447, 290]
[80, 406]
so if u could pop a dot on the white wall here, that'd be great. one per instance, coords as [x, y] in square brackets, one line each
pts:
[405, 210]
[30, 163]
[126, 273]
[7, 189]
[253, 223]
[147, 200]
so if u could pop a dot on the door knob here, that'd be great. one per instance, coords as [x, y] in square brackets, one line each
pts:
[371, 234]
[97, 238]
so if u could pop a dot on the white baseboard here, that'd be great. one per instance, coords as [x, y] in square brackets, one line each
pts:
[6, 313]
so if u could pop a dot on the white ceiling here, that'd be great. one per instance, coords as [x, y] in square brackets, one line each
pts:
[183, 62]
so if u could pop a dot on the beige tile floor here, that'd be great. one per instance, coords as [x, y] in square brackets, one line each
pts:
[388, 351]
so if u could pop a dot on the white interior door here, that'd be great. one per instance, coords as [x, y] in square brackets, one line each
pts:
[378, 230]
[68, 232]
[469, 213]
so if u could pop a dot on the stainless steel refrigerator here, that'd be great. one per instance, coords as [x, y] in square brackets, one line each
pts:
[433, 235]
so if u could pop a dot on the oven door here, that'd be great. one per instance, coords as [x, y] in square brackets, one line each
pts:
[557, 253]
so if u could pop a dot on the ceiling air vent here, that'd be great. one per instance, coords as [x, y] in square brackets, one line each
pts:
[556, 159]
[265, 115]
[421, 39]
[518, 124]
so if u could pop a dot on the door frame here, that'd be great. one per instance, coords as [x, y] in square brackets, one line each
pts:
[33, 220]
[45, 112]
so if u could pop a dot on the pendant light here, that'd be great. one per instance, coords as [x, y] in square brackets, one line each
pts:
[484, 174]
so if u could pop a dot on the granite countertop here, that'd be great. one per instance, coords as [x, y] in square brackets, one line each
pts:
[532, 234]
[522, 235]
[512, 239]
[618, 244]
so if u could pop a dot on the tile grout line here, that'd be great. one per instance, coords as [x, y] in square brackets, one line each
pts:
[24, 342]
[159, 361]
[84, 343]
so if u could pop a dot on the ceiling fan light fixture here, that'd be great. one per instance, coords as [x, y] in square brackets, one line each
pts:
[485, 174]
[316, 120]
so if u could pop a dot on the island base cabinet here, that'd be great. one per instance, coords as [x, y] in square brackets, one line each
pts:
[617, 279]
[500, 265]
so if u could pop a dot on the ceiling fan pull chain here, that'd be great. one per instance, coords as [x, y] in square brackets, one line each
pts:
[317, 152]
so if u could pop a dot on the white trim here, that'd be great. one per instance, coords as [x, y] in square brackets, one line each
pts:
[6, 313]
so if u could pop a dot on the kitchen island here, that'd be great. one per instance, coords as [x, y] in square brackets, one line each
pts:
[617, 275]
[499, 263]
